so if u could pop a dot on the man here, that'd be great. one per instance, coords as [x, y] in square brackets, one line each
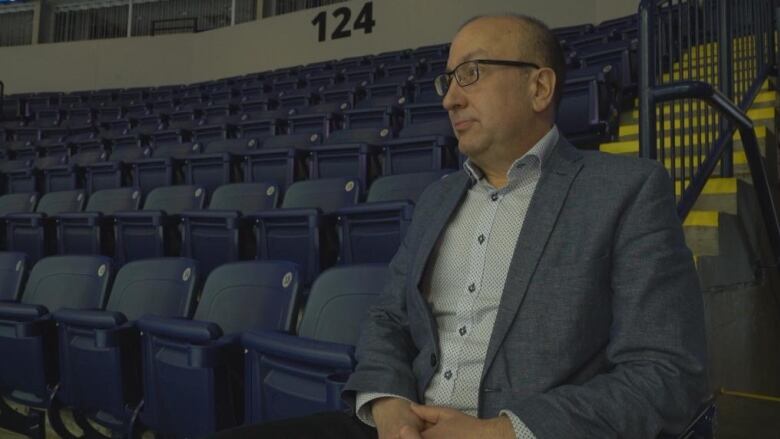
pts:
[541, 292]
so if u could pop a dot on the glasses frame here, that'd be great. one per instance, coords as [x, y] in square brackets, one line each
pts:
[446, 77]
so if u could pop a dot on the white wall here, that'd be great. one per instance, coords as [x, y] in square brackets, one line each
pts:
[266, 44]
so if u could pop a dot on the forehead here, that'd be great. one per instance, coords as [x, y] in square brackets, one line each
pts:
[487, 38]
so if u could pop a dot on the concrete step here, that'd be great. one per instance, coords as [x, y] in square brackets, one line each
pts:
[764, 135]
[764, 99]
[760, 116]
[701, 228]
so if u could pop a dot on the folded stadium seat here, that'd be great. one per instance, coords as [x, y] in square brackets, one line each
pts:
[101, 98]
[100, 352]
[434, 51]
[317, 67]
[575, 30]
[363, 75]
[348, 93]
[321, 118]
[303, 230]
[146, 125]
[13, 269]
[579, 117]
[580, 42]
[184, 119]
[114, 171]
[34, 233]
[217, 122]
[260, 90]
[424, 112]
[289, 85]
[23, 149]
[34, 104]
[372, 231]
[219, 162]
[349, 153]
[154, 231]
[281, 160]
[91, 232]
[222, 95]
[433, 67]
[289, 376]
[324, 79]
[70, 175]
[351, 63]
[204, 356]
[48, 117]
[422, 146]
[31, 179]
[77, 117]
[425, 91]
[222, 233]
[131, 96]
[162, 166]
[623, 56]
[116, 128]
[10, 166]
[392, 57]
[28, 334]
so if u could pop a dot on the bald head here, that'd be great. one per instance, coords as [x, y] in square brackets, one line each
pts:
[533, 40]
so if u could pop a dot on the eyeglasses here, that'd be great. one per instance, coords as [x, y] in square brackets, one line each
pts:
[467, 73]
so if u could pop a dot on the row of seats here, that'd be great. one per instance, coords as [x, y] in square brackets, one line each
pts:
[314, 223]
[152, 347]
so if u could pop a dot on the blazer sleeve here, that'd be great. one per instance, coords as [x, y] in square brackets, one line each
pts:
[657, 348]
[385, 349]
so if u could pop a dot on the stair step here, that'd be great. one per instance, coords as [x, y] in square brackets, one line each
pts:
[701, 229]
[632, 146]
[763, 99]
[756, 114]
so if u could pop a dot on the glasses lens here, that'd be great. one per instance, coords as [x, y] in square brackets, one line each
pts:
[442, 84]
[467, 73]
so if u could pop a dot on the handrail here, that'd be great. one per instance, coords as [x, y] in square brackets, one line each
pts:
[740, 120]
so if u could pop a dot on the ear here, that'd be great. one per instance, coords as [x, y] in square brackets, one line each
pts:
[544, 89]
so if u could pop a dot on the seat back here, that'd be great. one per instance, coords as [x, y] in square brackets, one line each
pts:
[252, 294]
[86, 277]
[175, 199]
[245, 197]
[161, 286]
[338, 302]
[403, 187]
[326, 194]
[108, 201]
[63, 201]
[12, 271]
[15, 203]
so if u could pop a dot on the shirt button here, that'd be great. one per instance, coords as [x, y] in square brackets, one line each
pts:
[462, 331]
[472, 288]
[494, 197]
[448, 374]
[433, 360]
[481, 239]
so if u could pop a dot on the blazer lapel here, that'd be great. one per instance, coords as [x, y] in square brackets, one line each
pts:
[548, 199]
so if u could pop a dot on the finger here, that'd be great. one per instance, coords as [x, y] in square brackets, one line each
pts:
[408, 432]
[428, 414]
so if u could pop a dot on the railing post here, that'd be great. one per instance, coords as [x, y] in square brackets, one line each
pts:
[725, 80]
[647, 80]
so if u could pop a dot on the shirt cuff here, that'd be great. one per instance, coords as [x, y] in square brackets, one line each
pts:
[363, 406]
[521, 431]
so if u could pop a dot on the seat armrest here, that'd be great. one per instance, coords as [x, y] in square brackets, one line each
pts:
[90, 318]
[218, 214]
[380, 206]
[287, 212]
[191, 331]
[21, 312]
[306, 350]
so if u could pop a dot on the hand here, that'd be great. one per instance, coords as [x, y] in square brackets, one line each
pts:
[391, 415]
[449, 423]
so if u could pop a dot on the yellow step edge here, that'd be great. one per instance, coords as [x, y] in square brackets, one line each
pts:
[761, 98]
[632, 146]
[754, 114]
[764, 87]
[738, 158]
[713, 186]
[702, 218]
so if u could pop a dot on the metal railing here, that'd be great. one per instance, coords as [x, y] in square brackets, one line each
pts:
[687, 48]
[16, 25]
[280, 7]
[175, 25]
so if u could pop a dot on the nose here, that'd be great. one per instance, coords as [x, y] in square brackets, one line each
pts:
[454, 99]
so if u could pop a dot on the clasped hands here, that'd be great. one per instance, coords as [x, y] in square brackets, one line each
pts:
[399, 419]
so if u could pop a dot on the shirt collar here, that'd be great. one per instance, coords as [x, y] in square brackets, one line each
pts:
[540, 151]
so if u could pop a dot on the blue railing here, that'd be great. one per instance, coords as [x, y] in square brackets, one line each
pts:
[697, 58]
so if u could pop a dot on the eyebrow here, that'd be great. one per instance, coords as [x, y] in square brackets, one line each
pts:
[469, 56]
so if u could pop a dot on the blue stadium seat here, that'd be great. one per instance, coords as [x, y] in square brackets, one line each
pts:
[100, 352]
[35, 233]
[372, 231]
[303, 230]
[349, 153]
[580, 116]
[424, 112]
[92, 232]
[420, 147]
[289, 376]
[222, 233]
[70, 175]
[219, 163]
[28, 333]
[154, 231]
[115, 171]
[13, 270]
[163, 165]
[204, 356]
[281, 160]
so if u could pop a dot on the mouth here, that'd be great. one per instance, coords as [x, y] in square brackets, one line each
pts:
[462, 124]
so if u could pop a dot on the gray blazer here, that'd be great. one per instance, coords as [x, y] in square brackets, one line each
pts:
[600, 329]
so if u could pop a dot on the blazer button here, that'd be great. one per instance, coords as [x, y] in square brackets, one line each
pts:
[433, 360]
